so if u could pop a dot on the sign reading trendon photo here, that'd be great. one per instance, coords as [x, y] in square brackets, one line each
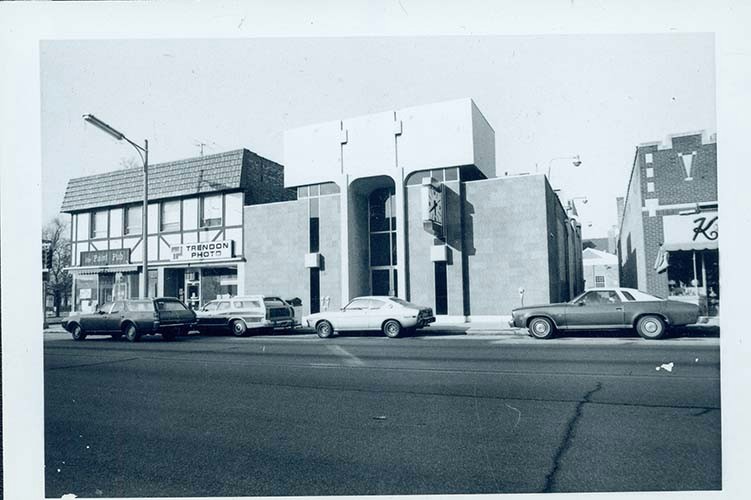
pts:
[205, 250]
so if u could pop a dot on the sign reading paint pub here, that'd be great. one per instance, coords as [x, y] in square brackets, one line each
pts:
[205, 250]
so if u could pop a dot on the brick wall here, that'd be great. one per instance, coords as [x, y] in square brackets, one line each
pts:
[263, 180]
[661, 177]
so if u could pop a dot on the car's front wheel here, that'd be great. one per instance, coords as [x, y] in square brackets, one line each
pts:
[77, 333]
[541, 328]
[131, 333]
[651, 327]
[324, 329]
[392, 328]
[238, 327]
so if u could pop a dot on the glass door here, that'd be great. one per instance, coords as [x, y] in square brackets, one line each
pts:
[382, 236]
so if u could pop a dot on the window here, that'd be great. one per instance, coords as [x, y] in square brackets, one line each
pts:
[441, 288]
[358, 305]
[648, 157]
[117, 307]
[133, 219]
[211, 211]
[627, 295]
[599, 281]
[211, 306]
[170, 305]
[99, 224]
[600, 298]
[171, 216]
[223, 306]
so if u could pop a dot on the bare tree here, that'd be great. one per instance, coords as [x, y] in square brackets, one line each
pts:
[60, 280]
[130, 162]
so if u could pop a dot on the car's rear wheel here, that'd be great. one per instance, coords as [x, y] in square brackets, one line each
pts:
[324, 329]
[131, 333]
[77, 333]
[239, 328]
[541, 328]
[651, 327]
[392, 328]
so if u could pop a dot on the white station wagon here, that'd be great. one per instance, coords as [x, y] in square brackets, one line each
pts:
[391, 315]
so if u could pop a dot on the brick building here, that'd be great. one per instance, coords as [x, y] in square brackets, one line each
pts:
[407, 203]
[668, 238]
[195, 227]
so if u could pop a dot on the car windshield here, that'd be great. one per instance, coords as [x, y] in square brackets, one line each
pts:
[140, 305]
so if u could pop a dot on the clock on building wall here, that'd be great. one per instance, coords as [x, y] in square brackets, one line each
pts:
[432, 195]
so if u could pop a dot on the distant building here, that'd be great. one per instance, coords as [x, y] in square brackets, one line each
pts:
[600, 268]
[668, 242]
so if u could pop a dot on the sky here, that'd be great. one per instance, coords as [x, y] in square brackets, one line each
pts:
[546, 97]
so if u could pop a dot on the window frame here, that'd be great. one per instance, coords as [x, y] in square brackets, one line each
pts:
[169, 227]
[202, 220]
[127, 229]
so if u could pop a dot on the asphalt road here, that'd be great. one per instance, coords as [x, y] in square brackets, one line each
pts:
[367, 415]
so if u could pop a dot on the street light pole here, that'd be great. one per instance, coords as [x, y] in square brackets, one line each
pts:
[143, 152]
[576, 162]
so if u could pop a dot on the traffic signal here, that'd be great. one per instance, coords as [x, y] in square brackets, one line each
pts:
[46, 256]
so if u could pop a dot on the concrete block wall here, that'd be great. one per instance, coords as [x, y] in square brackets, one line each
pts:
[419, 243]
[276, 241]
[506, 243]
[330, 248]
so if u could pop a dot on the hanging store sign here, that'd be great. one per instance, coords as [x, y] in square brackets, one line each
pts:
[207, 250]
[106, 257]
[697, 231]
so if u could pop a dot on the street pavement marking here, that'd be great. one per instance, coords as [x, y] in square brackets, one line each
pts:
[349, 358]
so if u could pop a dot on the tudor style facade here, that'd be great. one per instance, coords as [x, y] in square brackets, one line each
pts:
[195, 228]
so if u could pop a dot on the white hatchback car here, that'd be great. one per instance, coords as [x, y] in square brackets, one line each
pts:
[391, 315]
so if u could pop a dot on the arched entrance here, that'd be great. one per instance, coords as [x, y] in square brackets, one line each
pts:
[374, 215]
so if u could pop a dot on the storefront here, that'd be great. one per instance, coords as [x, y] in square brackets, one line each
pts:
[689, 257]
[195, 228]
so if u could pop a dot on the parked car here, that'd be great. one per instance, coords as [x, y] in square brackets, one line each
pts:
[241, 315]
[391, 315]
[133, 318]
[607, 309]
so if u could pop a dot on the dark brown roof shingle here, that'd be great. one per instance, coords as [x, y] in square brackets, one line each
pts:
[203, 174]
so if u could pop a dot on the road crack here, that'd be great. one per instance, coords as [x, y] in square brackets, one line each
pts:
[567, 439]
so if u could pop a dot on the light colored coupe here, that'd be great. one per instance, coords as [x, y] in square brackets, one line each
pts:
[392, 315]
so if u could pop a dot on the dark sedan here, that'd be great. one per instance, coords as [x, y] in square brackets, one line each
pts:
[607, 309]
[133, 318]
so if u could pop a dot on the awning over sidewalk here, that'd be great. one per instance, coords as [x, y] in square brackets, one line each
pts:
[88, 270]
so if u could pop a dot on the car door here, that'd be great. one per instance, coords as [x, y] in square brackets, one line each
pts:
[96, 322]
[596, 309]
[354, 316]
[379, 312]
[111, 320]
